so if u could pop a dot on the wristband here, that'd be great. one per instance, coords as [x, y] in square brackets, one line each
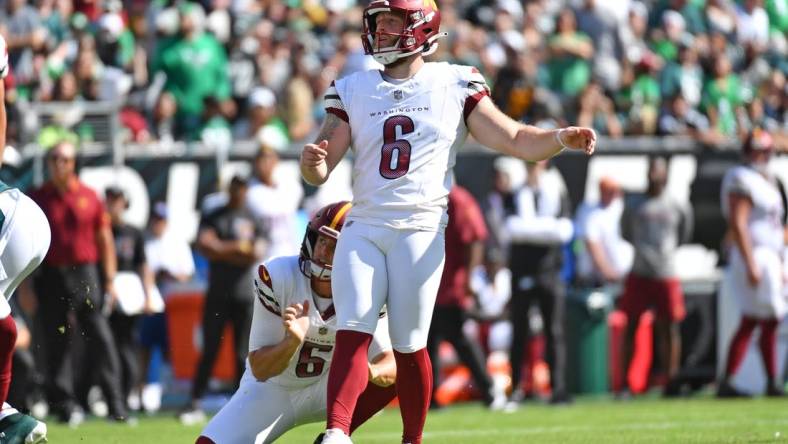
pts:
[560, 141]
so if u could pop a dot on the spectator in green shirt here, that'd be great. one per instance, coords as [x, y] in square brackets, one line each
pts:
[570, 52]
[777, 10]
[684, 76]
[666, 39]
[196, 67]
[641, 97]
[723, 99]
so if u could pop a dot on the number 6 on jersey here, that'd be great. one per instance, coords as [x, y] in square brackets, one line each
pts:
[392, 167]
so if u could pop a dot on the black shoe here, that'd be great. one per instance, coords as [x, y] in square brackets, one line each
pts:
[123, 419]
[435, 406]
[774, 391]
[73, 416]
[727, 390]
[672, 389]
[560, 398]
[319, 438]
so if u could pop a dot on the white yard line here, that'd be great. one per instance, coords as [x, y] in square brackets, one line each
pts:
[522, 431]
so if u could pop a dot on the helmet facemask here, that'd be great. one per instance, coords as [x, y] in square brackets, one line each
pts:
[418, 35]
[326, 223]
[319, 269]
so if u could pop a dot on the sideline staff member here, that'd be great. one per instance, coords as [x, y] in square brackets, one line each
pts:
[69, 282]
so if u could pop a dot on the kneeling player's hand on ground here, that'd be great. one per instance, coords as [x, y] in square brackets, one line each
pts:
[296, 320]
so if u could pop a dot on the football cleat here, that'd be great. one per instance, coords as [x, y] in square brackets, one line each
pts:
[17, 428]
[335, 436]
[727, 390]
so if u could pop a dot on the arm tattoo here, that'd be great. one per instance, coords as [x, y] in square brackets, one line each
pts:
[329, 125]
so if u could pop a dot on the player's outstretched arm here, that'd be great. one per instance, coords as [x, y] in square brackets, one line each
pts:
[271, 360]
[383, 369]
[319, 159]
[491, 127]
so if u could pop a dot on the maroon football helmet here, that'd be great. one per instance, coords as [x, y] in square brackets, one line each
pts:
[328, 221]
[758, 140]
[421, 30]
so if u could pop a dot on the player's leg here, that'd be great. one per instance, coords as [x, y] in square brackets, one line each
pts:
[434, 339]
[470, 354]
[215, 312]
[359, 284]
[101, 352]
[670, 312]
[736, 352]
[633, 303]
[258, 412]
[552, 303]
[768, 346]
[54, 305]
[26, 236]
[241, 318]
[123, 331]
[518, 313]
[372, 400]
[415, 265]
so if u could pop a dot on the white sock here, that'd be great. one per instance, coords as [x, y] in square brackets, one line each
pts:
[332, 432]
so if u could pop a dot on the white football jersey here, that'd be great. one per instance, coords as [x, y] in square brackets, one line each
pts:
[280, 283]
[3, 58]
[765, 222]
[404, 138]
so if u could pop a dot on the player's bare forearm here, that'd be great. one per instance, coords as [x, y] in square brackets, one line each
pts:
[271, 360]
[491, 127]
[383, 369]
[319, 159]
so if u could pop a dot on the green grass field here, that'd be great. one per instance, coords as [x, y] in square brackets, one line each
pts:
[697, 420]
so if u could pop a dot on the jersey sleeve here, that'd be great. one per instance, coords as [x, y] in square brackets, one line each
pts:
[474, 89]
[734, 182]
[266, 327]
[272, 282]
[333, 103]
[737, 183]
[381, 342]
[267, 293]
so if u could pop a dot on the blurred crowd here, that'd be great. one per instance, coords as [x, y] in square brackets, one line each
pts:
[222, 70]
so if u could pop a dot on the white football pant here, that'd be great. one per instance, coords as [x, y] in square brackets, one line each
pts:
[376, 266]
[261, 412]
[24, 242]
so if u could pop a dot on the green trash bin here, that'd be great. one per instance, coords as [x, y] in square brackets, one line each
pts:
[587, 340]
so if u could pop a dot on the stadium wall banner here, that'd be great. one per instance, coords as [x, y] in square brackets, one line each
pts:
[185, 179]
